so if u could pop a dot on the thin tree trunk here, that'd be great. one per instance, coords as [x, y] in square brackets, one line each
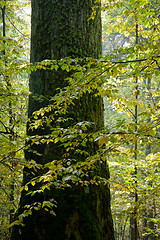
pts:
[10, 114]
[133, 220]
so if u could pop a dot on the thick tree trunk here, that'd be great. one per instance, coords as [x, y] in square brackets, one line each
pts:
[61, 28]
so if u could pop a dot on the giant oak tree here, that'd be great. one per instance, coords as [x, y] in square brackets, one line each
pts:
[59, 29]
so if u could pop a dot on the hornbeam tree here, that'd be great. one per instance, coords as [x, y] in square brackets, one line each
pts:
[61, 29]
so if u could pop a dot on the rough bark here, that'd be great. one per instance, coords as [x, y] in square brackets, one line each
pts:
[61, 28]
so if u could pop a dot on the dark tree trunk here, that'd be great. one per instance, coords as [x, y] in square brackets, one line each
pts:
[61, 28]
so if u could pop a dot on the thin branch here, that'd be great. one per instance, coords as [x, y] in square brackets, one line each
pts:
[6, 128]
[16, 27]
[128, 110]
[132, 61]
[157, 63]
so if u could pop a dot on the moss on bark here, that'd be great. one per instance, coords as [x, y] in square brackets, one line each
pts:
[60, 28]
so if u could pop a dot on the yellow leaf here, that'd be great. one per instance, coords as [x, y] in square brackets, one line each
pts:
[33, 183]
[134, 139]
[102, 140]
[40, 67]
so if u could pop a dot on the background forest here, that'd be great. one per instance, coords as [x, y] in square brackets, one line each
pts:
[126, 76]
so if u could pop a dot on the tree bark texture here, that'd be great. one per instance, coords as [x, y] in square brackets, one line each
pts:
[60, 28]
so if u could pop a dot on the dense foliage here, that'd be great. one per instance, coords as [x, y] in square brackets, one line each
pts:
[14, 45]
[131, 35]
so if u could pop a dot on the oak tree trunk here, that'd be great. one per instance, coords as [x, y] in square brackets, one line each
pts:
[60, 28]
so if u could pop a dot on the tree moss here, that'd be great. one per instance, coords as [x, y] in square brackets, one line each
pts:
[60, 28]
